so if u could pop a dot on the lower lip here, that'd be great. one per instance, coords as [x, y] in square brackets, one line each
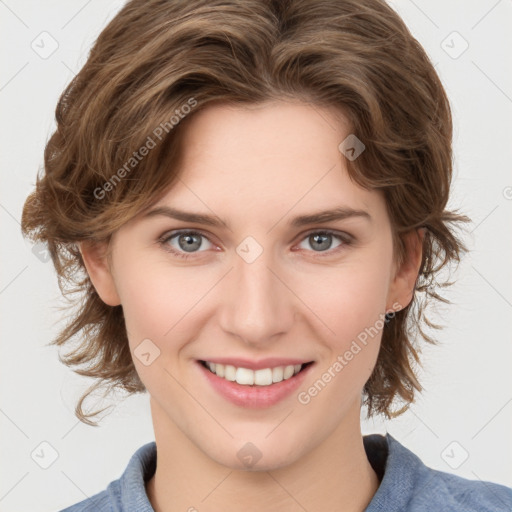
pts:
[256, 397]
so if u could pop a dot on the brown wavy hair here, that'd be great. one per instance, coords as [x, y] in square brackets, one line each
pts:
[153, 58]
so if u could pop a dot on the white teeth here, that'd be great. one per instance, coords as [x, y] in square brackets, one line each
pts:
[263, 377]
[220, 370]
[247, 377]
[288, 371]
[244, 376]
[229, 372]
[277, 374]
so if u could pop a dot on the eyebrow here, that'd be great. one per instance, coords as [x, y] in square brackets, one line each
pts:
[339, 213]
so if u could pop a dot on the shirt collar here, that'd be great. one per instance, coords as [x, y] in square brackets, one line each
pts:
[398, 469]
[396, 466]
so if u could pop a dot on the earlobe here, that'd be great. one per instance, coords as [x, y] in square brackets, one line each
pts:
[402, 288]
[94, 256]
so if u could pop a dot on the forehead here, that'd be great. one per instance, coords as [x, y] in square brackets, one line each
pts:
[266, 160]
[277, 132]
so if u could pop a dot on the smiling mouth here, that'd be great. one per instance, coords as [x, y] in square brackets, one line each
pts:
[248, 377]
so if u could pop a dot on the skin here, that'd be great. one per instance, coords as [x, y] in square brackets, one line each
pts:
[256, 168]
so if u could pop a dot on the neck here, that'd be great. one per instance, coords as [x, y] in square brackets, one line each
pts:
[336, 475]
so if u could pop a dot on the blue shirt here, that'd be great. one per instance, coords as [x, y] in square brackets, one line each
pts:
[406, 484]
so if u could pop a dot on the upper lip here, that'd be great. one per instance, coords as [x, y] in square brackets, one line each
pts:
[270, 362]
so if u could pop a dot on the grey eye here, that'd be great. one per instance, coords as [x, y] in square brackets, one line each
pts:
[321, 241]
[189, 242]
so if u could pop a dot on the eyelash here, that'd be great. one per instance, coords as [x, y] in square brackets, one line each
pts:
[345, 238]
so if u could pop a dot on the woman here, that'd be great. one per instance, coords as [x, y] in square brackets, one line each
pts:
[255, 194]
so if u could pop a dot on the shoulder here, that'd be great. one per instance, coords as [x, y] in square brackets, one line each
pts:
[455, 493]
[109, 500]
[101, 502]
[128, 491]
[409, 485]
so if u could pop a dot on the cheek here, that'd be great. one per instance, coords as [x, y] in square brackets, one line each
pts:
[352, 307]
[147, 299]
[350, 298]
[155, 312]
[159, 303]
[349, 303]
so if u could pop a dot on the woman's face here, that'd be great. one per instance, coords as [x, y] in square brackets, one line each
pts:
[258, 281]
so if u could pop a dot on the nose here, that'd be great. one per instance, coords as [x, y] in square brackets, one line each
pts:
[257, 305]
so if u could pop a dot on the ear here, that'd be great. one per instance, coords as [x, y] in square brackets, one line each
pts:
[401, 290]
[95, 259]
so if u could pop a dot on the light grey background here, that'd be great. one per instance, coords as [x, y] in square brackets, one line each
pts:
[466, 408]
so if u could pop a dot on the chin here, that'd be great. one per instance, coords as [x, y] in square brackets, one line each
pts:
[251, 456]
